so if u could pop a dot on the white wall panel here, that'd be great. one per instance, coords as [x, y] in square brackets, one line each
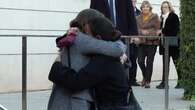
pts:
[38, 14]
[32, 17]
[10, 45]
[62, 5]
[34, 20]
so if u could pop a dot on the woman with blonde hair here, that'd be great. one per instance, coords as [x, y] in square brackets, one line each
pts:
[169, 27]
[148, 25]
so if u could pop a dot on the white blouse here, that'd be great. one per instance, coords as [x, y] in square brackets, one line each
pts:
[164, 16]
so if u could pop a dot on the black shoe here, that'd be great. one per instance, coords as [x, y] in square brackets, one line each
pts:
[135, 84]
[160, 86]
[178, 86]
[147, 85]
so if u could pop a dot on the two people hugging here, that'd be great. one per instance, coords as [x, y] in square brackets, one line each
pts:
[89, 73]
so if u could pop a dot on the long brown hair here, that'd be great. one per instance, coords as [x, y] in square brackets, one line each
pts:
[103, 27]
[83, 17]
[169, 4]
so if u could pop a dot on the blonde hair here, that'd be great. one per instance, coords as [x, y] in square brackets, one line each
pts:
[169, 4]
[146, 3]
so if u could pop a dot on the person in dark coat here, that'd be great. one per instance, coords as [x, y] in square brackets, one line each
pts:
[121, 13]
[137, 12]
[105, 74]
[133, 51]
[169, 27]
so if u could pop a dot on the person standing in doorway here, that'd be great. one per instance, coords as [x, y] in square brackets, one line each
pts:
[169, 27]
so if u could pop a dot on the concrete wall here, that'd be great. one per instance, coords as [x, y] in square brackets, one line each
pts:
[40, 17]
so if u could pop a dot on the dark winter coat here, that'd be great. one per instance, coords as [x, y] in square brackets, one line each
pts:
[126, 22]
[171, 28]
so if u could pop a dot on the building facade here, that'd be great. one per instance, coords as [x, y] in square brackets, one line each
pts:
[36, 17]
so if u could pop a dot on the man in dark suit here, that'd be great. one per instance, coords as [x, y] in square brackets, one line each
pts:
[133, 50]
[121, 13]
[136, 10]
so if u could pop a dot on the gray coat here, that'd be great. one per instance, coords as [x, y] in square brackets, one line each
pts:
[60, 98]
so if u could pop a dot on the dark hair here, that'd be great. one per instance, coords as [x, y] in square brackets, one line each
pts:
[103, 27]
[75, 23]
[83, 17]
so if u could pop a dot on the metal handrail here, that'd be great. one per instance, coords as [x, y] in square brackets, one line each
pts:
[167, 42]
[24, 63]
[2, 107]
[27, 35]
[36, 10]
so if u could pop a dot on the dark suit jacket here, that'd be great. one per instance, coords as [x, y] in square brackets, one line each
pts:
[137, 12]
[126, 21]
[171, 28]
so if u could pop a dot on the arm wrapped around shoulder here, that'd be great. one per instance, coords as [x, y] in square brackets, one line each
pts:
[57, 73]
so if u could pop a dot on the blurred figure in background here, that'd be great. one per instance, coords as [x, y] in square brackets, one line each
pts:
[137, 12]
[148, 25]
[133, 51]
[121, 13]
[169, 27]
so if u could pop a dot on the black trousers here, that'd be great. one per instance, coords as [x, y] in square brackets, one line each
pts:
[133, 54]
[175, 58]
[146, 55]
[132, 105]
